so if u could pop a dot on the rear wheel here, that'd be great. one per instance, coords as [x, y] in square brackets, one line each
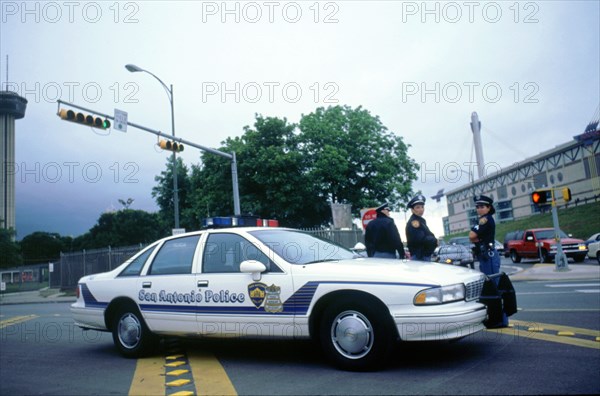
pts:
[130, 333]
[515, 257]
[355, 335]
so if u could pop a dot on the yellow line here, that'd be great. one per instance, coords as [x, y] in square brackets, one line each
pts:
[16, 320]
[210, 377]
[149, 377]
[551, 337]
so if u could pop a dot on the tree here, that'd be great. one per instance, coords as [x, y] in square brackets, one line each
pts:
[338, 154]
[163, 193]
[11, 252]
[42, 246]
[122, 228]
[351, 157]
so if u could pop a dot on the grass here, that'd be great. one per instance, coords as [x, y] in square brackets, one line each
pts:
[580, 221]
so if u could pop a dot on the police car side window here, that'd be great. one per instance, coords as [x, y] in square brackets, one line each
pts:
[224, 252]
[135, 267]
[175, 256]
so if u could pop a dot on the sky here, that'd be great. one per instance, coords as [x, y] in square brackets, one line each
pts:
[531, 70]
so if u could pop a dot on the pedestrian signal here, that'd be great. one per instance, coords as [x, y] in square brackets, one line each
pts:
[566, 193]
[171, 146]
[84, 119]
[541, 197]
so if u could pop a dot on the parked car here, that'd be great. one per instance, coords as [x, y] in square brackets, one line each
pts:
[511, 236]
[454, 255]
[541, 243]
[593, 238]
[464, 241]
[278, 283]
[594, 251]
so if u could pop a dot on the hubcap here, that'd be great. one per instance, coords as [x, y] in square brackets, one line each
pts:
[130, 331]
[352, 334]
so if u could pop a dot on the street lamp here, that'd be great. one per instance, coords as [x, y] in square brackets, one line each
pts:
[169, 90]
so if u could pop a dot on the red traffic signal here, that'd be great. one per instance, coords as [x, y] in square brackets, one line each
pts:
[84, 119]
[171, 146]
[541, 197]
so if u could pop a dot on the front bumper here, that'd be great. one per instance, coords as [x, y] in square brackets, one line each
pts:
[440, 325]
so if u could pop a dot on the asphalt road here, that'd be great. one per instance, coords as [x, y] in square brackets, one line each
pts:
[42, 352]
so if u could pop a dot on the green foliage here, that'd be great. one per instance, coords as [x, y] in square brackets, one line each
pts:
[42, 246]
[163, 193]
[11, 252]
[122, 228]
[338, 154]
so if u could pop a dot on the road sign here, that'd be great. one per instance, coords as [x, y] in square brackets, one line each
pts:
[366, 215]
[120, 120]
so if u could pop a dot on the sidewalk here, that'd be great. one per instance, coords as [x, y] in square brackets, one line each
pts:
[539, 272]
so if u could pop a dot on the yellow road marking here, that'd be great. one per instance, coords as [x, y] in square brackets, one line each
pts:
[179, 382]
[16, 320]
[176, 373]
[210, 377]
[149, 376]
[535, 333]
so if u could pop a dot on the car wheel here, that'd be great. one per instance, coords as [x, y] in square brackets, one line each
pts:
[598, 257]
[579, 259]
[355, 335]
[515, 257]
[545, 257]
[130, 333]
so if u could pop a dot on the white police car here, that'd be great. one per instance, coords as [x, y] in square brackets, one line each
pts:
[275, 282]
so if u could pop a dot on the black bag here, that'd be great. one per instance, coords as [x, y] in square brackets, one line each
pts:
[490, 297]
[509, 297]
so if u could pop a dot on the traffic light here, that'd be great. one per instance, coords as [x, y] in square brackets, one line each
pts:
[566, 193]
[84, 119]
[541, 197]
[171, 146]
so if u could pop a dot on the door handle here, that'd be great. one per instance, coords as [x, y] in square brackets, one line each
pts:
[147, 285]
[202, 283]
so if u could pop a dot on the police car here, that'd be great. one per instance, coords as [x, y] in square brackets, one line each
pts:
[275, 282]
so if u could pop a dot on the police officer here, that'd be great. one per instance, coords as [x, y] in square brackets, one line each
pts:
[420, 240]
[483, 235]
[382, 237]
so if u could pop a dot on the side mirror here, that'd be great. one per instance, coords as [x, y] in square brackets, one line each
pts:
[253, 267]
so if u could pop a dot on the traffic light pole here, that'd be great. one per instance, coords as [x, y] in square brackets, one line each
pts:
[562, 264]
[234, 174]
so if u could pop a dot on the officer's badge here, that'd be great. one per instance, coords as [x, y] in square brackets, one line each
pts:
[483, 220]
[257, 293]
[273, 299]
[415, 223]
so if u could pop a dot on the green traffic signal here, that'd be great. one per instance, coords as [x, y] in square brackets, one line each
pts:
[85, 119]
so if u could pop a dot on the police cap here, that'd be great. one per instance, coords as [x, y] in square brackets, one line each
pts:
[483, 200]
[417, 200]
[385, 206]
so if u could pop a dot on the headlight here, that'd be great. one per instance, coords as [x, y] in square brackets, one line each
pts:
[582, 247]
[440, 295]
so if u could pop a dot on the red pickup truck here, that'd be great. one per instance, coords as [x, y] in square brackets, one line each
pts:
[540, 243]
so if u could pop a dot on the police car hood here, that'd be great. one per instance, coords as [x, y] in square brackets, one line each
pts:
[389, 270]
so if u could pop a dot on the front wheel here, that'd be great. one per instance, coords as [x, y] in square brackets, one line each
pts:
[515, 257]
[355, 336]
[130, 333]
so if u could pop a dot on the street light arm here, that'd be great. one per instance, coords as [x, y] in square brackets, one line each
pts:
[134, 69]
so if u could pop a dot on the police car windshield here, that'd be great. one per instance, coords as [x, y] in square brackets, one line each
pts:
[300, 248]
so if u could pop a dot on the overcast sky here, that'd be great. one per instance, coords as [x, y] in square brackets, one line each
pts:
[529, 69]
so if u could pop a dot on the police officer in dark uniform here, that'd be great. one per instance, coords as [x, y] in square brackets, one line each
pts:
[420, 240]
[483, 235]
[381, 236]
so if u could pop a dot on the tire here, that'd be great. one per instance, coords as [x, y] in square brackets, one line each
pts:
[598, 257]
[579, 259]
[130, 334]
[545, 257]
[515, 257]
[356, 335]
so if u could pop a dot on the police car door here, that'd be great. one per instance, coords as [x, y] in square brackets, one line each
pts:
[235, 304]
[167, 292]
